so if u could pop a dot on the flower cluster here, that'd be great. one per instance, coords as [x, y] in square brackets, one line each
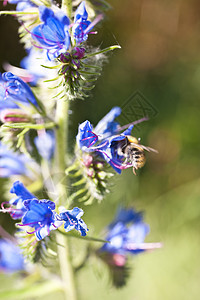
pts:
[60, 66]
[97, 148]
[41, 214]
[53, 34]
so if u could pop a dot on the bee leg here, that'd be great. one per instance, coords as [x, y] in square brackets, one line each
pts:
[134, 171]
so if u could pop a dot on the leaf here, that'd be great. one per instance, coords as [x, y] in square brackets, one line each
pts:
[88, 88]
[29, 125]
[21, 137]
[10, 12]
[33, 290]
[53, 67]
[53, 79]
[111, 48]
[79, 182]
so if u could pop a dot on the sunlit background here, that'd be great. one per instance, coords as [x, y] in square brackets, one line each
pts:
[157, 72]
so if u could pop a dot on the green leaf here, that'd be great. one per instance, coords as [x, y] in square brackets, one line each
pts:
[29, 125]
[33, 290]
[88, 88]
[10, 12]
[86, 238]
[53, 79]
[54, 67]
[21, 137]
[111, 48]
[79, 182]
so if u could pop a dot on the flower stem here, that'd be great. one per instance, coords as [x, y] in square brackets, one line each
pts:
[61, 148]
[66, 268]
[67, 6]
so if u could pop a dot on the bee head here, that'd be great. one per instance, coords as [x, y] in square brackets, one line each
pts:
[132, 139]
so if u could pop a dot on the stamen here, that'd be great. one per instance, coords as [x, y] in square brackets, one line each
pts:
[71, 221]
[120, 128]
[90, 137]
[36, 222]
[93, 23]
[32, 231]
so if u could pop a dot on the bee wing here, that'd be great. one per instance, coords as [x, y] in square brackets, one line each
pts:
[144, 147]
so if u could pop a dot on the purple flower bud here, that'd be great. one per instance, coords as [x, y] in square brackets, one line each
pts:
[65, 57]
[14, 116]
[87, 160]
[78, 52]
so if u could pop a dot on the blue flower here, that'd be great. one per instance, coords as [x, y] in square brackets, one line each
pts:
[13, 91]
[45, 144]
[81, 23]
[12, 163]
[52, 34]
[106, 133]
[120, 150]
[40, 215]
[22, 4]
[32, 63]
[17, 208]
[11, 259]
[73, 220]
[87, 136]
[127, 233]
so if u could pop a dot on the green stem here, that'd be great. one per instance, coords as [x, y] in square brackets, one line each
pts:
[65, 261]
[67, 6]
[61, 147]
[66, 268]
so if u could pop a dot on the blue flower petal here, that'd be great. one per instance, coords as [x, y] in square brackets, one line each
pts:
[85, 136]
[15, 89]
[11, 259]
[45, 144]
[53, 34]
[107, 126]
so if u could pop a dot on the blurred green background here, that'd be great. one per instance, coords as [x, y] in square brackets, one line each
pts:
[160, 62]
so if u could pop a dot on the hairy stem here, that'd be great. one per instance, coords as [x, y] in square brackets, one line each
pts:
[67, 7]
[61, 149]
[66, 268]
[65, 261]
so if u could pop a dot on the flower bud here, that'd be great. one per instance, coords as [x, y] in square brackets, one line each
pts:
[65, 57]
[14, 116]
[78, 52]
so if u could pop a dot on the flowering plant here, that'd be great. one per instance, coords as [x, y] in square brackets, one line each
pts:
[61, 66]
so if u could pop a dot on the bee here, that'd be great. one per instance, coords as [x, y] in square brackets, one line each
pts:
[133, 152]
